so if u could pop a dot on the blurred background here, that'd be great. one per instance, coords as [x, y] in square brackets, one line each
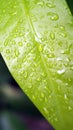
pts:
[17, 112]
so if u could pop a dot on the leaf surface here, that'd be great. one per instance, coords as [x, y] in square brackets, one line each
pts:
[36, 42]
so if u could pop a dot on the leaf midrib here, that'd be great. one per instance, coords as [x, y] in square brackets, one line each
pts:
[44, 65]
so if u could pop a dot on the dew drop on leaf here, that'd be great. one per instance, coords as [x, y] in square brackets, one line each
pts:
[62, 71]
[53, 16]
[42, 95]
[69, 108]
[50, 5]
[20, 44]
[16, 53]
[7, 51]
[30, 86]
[45, 110]
[65, 96]
[40, 48]
[52, 35]
[62, 27]
[25, 75]
[63, 34]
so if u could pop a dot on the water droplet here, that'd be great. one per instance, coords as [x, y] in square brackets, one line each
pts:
[45, 110]
[65, 96]
[43, 74]
[30, 86]
[6, 43]
[53, 16]
[4, 11]
[62, 27]
[42, 95]
[52, 35]
[46, 99]
[40, 48]
[41, 4]
[28, 44]
[13, 42]
[62, 71]
[7, 51]
[59, 59]
[69, 108]
[69, 79]
[63, 34]
[38, 79]
[19, 65]
[16, 53]
[21, 34]
[15, 36]
[56, 119]
[50, 5]
[25, 75]
[33, 97]
[20, 44]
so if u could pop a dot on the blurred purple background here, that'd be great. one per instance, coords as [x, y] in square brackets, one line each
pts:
[17, 112]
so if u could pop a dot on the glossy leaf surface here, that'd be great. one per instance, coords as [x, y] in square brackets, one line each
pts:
[36, 42]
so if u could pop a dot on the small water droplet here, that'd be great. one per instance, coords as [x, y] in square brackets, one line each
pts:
[45, 110]
[20, 44]
[13, 42]
[16, 53]
[15, 36]
[56, 119]
[28, 44]
[40, 48]
[41, 3]
[69, 79]
[42, 95]
[30, 86]
[53, 16]
[50, 5]
[4, 11]
[59, 59]
[65, 96]
[38, 79]
[52, 35]
[62, 71]
[6, 43]
[25, 75]
[69, 108]
[7, 51]
[21, 34]
[62, 27]
[63, 34]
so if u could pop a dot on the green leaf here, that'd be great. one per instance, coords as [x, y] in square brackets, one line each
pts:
[36, 42]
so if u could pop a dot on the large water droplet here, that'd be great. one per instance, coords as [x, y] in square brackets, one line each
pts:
[62, 71]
